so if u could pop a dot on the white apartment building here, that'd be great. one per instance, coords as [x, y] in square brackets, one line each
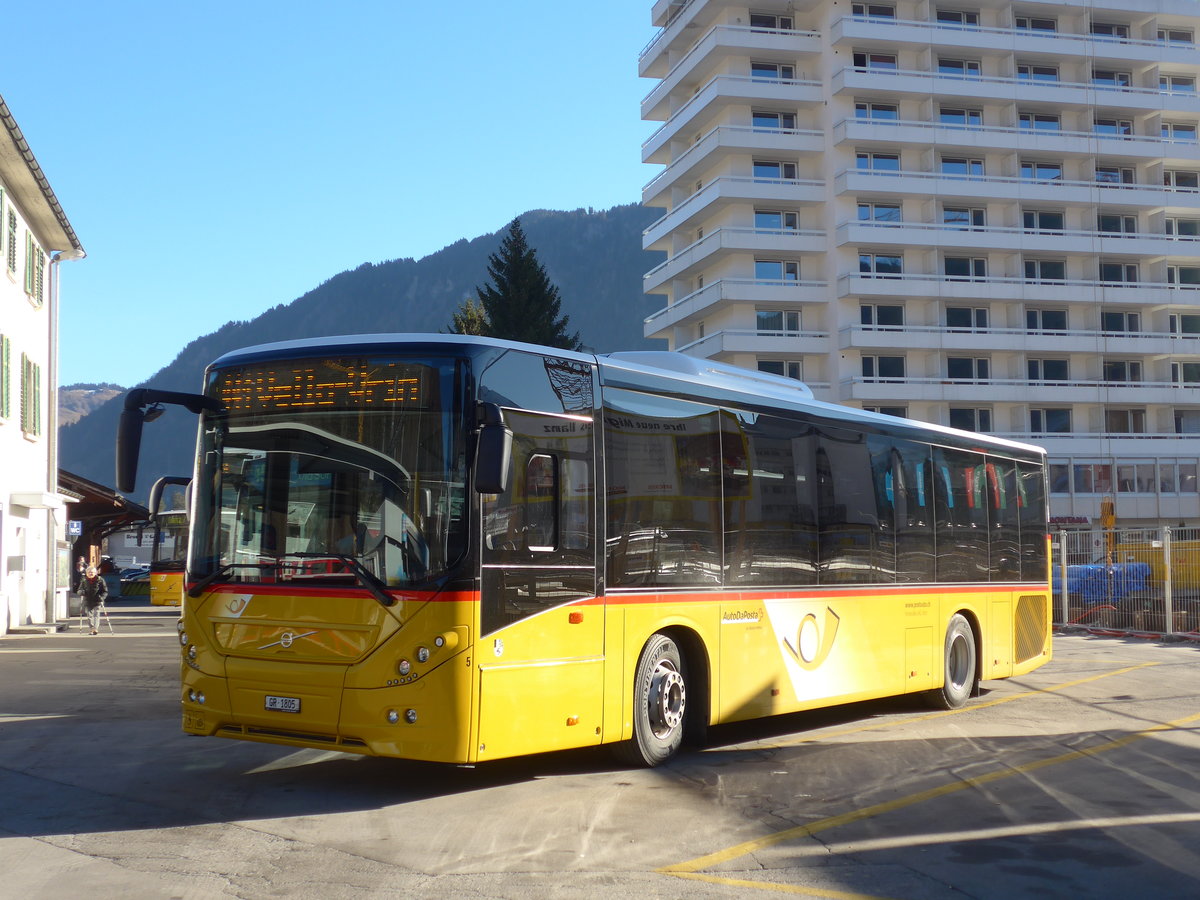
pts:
[980, 213]
[34, 237]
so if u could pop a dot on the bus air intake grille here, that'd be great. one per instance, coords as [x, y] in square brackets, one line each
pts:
[1031, 626]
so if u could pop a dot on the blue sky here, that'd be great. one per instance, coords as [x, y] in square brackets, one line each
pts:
[219, 158]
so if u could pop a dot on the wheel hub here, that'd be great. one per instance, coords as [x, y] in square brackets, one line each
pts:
[667, 699]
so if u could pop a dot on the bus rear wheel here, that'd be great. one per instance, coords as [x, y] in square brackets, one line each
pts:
[958, 666]
[659, 704]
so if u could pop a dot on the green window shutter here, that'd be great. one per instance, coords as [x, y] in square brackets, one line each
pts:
[28, 263]
[37, 401]
[39, 277]
[5, 377]
[12, 240]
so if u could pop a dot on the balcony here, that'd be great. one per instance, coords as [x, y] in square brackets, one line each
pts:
[1017, 340]
[1017, 240]
[981, 88]
[721, 192]
[1026, 41]
[948, 137]
[727, 292]
[708, 249]
[1013, 390]
[725, 90]
[1125, 293]
[724, 141]
[1003, 187]
[796, 343]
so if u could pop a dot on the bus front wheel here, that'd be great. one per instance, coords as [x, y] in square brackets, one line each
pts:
[659, 704]
[959, 666]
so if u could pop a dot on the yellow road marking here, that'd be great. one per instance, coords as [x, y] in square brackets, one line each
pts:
[691, 869]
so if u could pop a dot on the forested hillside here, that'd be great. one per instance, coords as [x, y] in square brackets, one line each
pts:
[594, 257]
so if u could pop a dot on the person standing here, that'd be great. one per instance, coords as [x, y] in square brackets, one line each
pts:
[80, 567]
[94, 592]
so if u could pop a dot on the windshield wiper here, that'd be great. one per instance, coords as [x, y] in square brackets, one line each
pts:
[369, 580]
[196, 589]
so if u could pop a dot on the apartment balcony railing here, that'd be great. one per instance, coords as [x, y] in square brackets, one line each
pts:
[779, 190]
[759, 291]
[1018, 138]
[924, 31]
[1018, 340]
[993, 287]
[676, 10]
[769, 240]
[996, 87]
[995, 236]
[742, 137]
[730, 340]
[1017, 390]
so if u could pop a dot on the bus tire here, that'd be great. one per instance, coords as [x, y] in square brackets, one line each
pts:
[958, 666]
[659, 704]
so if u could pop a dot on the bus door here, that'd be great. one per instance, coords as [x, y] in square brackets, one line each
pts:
[541, 654]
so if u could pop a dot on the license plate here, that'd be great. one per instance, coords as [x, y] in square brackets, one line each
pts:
[283, 704]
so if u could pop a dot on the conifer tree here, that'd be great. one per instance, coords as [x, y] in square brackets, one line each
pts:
[470, 319]
[521, 303]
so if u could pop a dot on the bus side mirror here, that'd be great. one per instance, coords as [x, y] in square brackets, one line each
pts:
[129, 447]
[493, 452]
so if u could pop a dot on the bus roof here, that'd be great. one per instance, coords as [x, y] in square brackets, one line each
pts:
[681, 375]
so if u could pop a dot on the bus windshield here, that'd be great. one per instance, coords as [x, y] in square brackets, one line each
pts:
[332, 470]
[170, 541]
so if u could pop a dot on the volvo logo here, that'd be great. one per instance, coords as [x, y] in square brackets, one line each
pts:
[286, 640]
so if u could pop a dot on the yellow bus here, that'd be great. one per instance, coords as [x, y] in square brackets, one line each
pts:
[168, 554]
[460, 549]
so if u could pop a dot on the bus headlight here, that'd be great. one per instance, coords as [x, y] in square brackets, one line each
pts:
[393, 717]
[404, 667]
[183, 639]
[191, 652]
[410, 716]
[422, 654]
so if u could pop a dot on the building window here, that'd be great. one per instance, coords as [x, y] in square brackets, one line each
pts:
[31, 397]
[1182, 227]
[1181, 181]
[772, 121]
[880, 265]
[968, 368]
[964, 218]
[1125, 421]
[1176, 476]
[1115, 127]
[866, 109]
[1187, 421]
[1111, 30]
[1175, 36]
[960, 167]
[970, 419]
[966, 118]
[877, 162]
[880, 316]
[769, 170]
[770, 22]
[899, 412]
[1121, 371]
[1179, 131]
[1118, 273]
[1177, 84]
[1185, 373]
[1120, 323]
[1093, 478]
[1031, 72]
[958, 17]
[1034, 170]
[1060, 478]
[873, 10]
[776, 270]
[1189, 275]
[883, 368]
[1039, 121]
[958, 68]
[35, 269]
[1114, 175]
[1184, 323]
[1110, 78]
[1111, 223]
[964, 268]
[1038, 270]
[1039, 320]
[785, 367]
[776, 220]
[1041, 220]
[865, 61]
[1030, 23]
[777, 322]
[879, 212]
[1047, 371]
[1135, 477]
[1050, 421]
[763, 71]
[966, 318]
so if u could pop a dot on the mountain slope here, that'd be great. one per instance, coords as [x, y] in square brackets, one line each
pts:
[594, 257]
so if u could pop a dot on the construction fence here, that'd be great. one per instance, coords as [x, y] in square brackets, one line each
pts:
[1144, 580]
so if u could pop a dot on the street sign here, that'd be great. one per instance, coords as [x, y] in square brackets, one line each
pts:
[74, 527]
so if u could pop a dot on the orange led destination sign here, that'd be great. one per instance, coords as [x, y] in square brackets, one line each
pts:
[325, 384]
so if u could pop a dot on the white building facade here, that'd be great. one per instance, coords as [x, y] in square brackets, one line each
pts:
[35, 236]
[982, 214]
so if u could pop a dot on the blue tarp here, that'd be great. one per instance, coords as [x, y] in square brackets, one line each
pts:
[1098, 583]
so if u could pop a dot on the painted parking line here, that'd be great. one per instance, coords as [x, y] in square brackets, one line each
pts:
[692, 869]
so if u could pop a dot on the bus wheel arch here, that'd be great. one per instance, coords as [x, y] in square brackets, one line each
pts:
[960, 663]
[670, 689]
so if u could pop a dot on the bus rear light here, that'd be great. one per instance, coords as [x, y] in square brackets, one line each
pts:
[410, 716]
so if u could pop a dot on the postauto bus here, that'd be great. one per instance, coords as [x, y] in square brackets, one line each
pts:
[454, 548]
[168, 556]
